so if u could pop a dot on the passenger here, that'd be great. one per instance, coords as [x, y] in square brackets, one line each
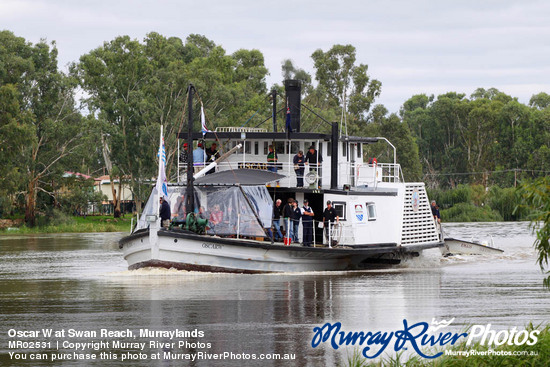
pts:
[277, 220]
[299, 168]
[164, 212]
[287, 218]
[184, 154]
[435, 212]
[211, 155]
[198, 157]
[296, 215]
[272, 160]
[329, 215]
[315, 161]
[307, 223]
[203, 214]
[216, 217]
[179, 208]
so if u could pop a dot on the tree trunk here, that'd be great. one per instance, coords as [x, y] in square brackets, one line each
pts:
[116, 204]
[30, 206]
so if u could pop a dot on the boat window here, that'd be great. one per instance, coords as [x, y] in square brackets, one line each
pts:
[256, 148]
[294, 147]
[266, 144]
[340, 207]
[371, 211]
[359, 153]
[321, 149]
[329, 148]
[279, 147]
[247, 147]
[344, 149]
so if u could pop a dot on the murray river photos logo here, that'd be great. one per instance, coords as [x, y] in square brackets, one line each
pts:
[417, 336]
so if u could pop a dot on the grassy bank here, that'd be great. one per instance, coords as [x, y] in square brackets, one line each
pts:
[534, 355]
[96, 223]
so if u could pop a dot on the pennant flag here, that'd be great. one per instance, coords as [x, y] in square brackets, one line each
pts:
[288, 124]
[203, 122]
[162, 183]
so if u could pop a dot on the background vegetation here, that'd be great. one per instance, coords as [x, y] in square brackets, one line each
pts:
[472, 151]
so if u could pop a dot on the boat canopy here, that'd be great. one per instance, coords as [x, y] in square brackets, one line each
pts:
[235, 210]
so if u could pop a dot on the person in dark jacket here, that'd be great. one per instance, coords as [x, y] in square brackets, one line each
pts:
[277, 220]
[329, 216]
[287, 218]
[296, 216]
[307, 223]
[315, 161]
[164, 212]
[299, 168]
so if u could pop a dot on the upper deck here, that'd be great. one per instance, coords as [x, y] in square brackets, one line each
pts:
[346, 161]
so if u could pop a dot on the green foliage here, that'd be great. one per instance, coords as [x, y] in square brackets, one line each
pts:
[505, 202]
[536, 196]
[467, 212]
[40, 129]
[490, 138]
[345, 82]
[79, 196]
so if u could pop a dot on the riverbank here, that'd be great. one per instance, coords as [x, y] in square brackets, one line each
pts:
[88, 224]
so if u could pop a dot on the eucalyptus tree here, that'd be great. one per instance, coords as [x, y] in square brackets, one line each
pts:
[345, 82]
[114, 76]
[39, 124]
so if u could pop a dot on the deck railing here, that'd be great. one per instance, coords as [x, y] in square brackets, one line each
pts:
[352, 174]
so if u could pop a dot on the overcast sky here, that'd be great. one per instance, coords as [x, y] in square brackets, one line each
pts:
[412, 47]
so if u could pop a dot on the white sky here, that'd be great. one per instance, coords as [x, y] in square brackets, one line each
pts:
[412, 47]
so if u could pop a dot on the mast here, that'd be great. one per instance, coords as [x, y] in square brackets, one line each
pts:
[274, 97]
[190, 193]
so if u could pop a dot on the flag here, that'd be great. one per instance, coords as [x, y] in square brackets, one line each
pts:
[162, 183]
[288, 125]
[203, 122]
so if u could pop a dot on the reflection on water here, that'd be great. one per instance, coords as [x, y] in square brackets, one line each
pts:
[80, 281]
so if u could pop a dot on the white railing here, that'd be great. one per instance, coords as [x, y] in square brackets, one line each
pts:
[352, 174]
[338, 233]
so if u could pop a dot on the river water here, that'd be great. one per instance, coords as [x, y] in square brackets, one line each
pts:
[80, 282]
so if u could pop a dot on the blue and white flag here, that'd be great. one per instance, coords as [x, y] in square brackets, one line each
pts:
[204, 129]
[162, 183]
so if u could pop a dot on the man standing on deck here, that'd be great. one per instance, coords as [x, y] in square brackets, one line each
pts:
[277, 220]
[164, 212]
[211, 155]
[315, 160]
[307, 223]
[435, 212]
[198, 158]
[329, 215]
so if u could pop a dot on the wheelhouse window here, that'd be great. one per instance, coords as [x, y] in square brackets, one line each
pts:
[340, 207]
[247, 147]
[329, 149]
[256, 148]
[266, 144]
[294, 147]
[359, 153]
[371, 211]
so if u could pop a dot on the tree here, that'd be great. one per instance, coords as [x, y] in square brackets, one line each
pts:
[47, 116]
[536, 196]
[345, 82]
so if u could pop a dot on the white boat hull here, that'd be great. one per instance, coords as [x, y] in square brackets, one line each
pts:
[460, 247]
[187, 251]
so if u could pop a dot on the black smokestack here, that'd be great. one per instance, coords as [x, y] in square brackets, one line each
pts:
[293, 90]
